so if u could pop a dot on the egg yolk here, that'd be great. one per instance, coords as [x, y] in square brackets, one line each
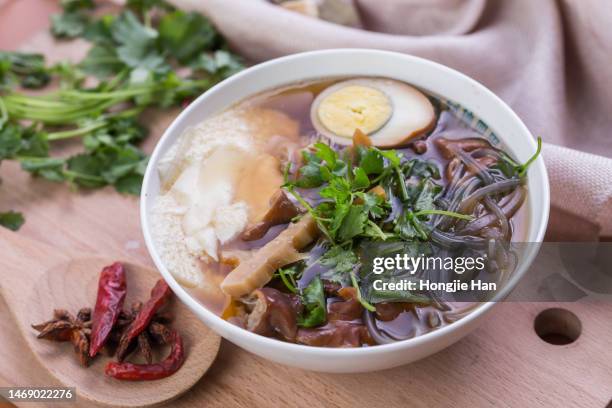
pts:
[354, 107]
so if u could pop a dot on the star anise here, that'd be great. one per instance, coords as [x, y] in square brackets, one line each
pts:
[156, 331]
[66, 327]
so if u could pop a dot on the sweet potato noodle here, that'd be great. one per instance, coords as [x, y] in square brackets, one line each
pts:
[272, 211]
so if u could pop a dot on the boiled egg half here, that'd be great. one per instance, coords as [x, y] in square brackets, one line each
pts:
[390, 112]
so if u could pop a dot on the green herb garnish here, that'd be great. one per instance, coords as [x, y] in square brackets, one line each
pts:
[313, 299]
[11, 220]
[137, 60]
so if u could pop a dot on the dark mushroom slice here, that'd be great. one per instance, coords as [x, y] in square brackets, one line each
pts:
[282, 210]
[448, 147]
[387, 311]
[346, 309]
[274, 314]
[336, 334]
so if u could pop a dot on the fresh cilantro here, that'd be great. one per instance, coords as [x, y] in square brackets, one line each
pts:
[220, 64]
[353, 223]
[100, 31]
[360, 179]
[102, 62]
[310, 174]
[339, 262]
[69, 24]
[75, 5]
[25, 69]
[11, 220]
[371, 161]
[186, 35]
[313, 299]
[149, 54]
[428, 192]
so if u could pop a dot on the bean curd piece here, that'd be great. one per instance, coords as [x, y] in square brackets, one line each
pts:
[255, 272]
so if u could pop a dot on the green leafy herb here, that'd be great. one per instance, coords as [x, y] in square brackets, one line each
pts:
[340, 263]
[361, 300]
[137, 60]
[186, 35]
[25, 69]
[75, 5]
[288, 276]
[511, 168]
[428, 192]
[11, 220]
[313, 299]
[70, 24]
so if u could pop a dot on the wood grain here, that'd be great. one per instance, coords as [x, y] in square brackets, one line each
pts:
[503, 363]
[52, 280]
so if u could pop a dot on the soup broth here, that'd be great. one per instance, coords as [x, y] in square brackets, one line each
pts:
[274, 227]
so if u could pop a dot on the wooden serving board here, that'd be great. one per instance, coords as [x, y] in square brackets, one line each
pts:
[503, 363]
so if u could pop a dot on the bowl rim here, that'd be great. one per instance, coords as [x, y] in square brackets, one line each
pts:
[231, 331]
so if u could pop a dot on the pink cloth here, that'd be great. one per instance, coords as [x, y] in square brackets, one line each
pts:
[549, 60]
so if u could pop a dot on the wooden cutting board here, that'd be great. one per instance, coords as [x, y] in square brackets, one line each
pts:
[503, 363]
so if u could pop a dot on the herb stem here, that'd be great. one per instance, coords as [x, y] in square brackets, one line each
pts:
[311, 211]
[444, 212]
[402, 183]
[3, 113]
[361, 300]
[67, 134]
[523, 168]
[289, 285]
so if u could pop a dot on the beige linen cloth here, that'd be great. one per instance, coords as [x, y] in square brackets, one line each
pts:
[549, 60]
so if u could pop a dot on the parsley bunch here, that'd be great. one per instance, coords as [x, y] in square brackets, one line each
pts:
[149, 55]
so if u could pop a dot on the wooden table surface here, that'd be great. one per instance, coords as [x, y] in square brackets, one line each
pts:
[503, 363]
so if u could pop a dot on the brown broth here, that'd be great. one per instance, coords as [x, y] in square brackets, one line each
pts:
[295, 101]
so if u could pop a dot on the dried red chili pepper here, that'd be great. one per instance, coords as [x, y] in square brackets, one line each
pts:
[112, 289]
[147, 372]
[159, 296]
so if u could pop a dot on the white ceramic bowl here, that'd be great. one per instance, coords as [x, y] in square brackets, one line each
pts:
[425, 74]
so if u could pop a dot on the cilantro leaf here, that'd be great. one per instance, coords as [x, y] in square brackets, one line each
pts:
[221, 63]
[313, 299]
[371, 161]
[137, 43]
[354, 223]
[360, 179]
[340, 262]
[69, 24]
[102, 62]
[28, 69]
[427, 195]
[310, 174]
[327, 154]
[74, 5]
[50, 168]
[10, 141]
[100, 31]
[11, 220]
[185, 35]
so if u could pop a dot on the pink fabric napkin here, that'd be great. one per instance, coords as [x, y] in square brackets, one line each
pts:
[549, 60]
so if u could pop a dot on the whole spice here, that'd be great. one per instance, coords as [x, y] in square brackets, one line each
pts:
[160, 294]
[112, 289]
[65, 327]
[139, 329]
[147, 372]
